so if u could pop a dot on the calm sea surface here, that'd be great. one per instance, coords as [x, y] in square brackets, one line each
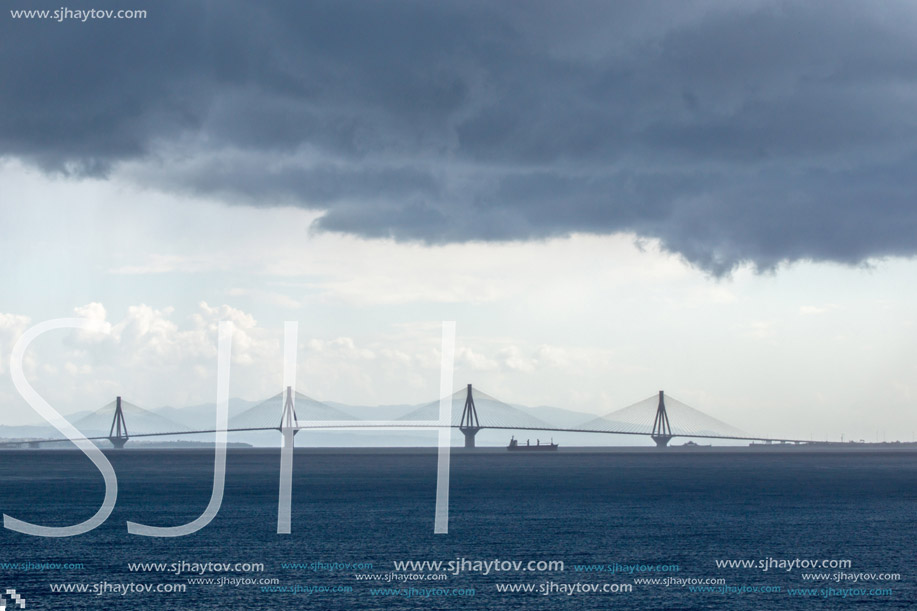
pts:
[660, 515]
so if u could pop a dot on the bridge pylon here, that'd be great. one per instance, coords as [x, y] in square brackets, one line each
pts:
[662, 431]
[469, 425]
[288, 421]
[118, 434]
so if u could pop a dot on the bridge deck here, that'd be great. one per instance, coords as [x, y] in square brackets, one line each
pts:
[409, 425]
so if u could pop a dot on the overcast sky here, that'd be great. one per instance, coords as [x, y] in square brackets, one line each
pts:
[612, 198]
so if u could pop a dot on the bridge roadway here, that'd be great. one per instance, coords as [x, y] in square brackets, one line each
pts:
[406, 425]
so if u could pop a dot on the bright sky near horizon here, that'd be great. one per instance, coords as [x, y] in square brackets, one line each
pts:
[589, 323]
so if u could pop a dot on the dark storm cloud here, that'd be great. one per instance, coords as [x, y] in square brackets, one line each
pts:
[759, 131]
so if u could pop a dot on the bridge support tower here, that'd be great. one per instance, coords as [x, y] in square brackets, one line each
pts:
[469, 425]
[288, 420]
[118, 434]
[662, 431]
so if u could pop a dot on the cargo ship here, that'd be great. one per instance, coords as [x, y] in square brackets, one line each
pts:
[515, 446]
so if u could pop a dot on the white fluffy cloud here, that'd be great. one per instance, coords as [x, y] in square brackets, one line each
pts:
[11, 328]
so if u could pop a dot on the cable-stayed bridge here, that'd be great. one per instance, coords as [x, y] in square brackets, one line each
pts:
[659, 417]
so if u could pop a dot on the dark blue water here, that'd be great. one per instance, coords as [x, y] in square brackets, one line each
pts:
[655, 510]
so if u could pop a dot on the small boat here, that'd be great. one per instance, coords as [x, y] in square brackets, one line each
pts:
[515, 446]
